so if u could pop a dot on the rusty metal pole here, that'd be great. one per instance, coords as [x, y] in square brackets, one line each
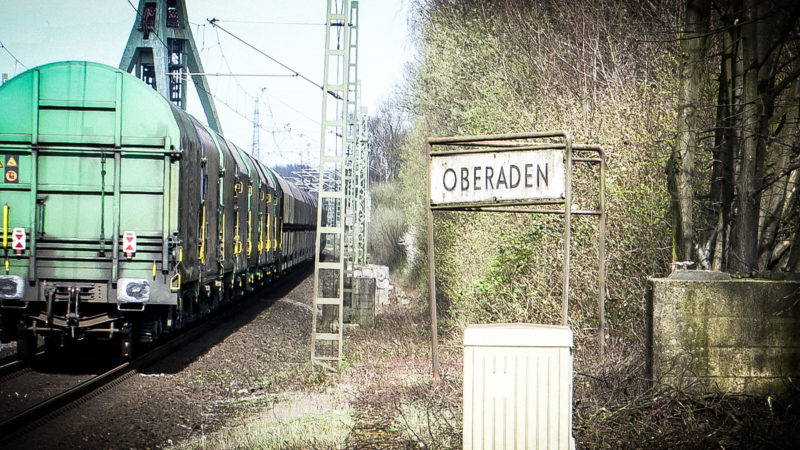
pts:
[432, 276]
[602, 251]
[567, 226]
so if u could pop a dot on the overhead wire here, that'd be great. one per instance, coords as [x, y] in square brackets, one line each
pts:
[314, 121]
[239, 84]
[271, 116]
[16, 61]
[246, 92]
[244, 116]
[269, 22]
[319, 86]
[299, 135]
[235, 110]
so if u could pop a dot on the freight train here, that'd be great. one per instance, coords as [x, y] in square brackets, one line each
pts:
[123, 217]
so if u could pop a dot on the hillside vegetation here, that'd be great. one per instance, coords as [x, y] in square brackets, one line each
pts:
[501, 67]
[612, 73]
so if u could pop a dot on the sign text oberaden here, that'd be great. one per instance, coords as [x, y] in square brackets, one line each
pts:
[497, 176]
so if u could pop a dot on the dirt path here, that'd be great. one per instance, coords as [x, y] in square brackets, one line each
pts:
[249, 383]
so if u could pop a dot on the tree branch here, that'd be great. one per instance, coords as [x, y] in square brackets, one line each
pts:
[786, 171]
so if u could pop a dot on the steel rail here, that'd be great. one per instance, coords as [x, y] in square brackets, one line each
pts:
[60, 402]
[12, 367]
[40, 410]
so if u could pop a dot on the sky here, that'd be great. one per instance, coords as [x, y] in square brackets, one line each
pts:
[37, 32]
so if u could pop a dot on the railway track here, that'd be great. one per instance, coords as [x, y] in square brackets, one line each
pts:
[27, 420]
[12, 369]
[22, 421]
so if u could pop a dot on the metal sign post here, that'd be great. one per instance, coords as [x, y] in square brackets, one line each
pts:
[512, 173]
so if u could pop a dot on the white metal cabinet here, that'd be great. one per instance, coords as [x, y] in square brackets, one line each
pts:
[518, 387]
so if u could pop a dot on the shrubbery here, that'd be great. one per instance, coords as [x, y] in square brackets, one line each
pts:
[519, 67]
[387, 227]
[608, 73]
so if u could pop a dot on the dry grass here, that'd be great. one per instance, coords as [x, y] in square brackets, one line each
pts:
[398, 406]
[384, 397]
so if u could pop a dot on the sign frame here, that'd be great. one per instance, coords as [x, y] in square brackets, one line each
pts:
[516, 142]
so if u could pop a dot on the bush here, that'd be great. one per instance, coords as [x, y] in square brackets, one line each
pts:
[387, 226]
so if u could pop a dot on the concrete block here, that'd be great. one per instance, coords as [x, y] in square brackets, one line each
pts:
[739, 335]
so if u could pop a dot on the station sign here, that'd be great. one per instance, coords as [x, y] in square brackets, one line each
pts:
[497, 176]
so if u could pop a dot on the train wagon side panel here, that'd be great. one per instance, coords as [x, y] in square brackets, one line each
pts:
[262, 213]
[225, 206]
[207, 207]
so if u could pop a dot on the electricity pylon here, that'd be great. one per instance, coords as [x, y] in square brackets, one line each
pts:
[161, 52]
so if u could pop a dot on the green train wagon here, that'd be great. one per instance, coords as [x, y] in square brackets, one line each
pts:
[123, 216]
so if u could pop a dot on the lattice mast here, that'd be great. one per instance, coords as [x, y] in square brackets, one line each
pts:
[351, 159]
[256, 133]
[161, 52]
[336, 147]
[363, 205]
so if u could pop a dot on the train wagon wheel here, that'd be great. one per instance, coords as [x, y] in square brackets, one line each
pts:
[7, 328]
[52, 346]
[126, 341]
[27, 343]
[151, 328]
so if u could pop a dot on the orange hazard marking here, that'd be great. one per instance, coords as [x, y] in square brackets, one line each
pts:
[11, 162]
[11, 176]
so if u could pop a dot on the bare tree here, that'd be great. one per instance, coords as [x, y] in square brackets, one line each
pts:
[387, 131]
[754, 160]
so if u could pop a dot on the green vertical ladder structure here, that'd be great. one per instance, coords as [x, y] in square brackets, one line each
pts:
[358, 191]
[351, 165]
[362, 205]
[162, 53]
[338, 102]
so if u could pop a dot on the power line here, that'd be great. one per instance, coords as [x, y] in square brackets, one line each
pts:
[227, 64]
[235, 75]
[247, 93]
[314, 121]
[240, 114]
[299, 135]
[217, 74]
[267, 22]
[213, 22]
[236, 79]
[248, 119]
[16, 61]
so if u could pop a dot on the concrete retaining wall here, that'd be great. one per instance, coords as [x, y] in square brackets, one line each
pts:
[735, 335]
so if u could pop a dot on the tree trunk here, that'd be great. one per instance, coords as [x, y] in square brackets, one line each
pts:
[681, 166]
[758, 33]
[725, 140]
[793, 203]
[780, 188]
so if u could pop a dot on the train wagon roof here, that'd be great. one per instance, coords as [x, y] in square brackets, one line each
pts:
[291, 188]
[79, 102]
[271, 176]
